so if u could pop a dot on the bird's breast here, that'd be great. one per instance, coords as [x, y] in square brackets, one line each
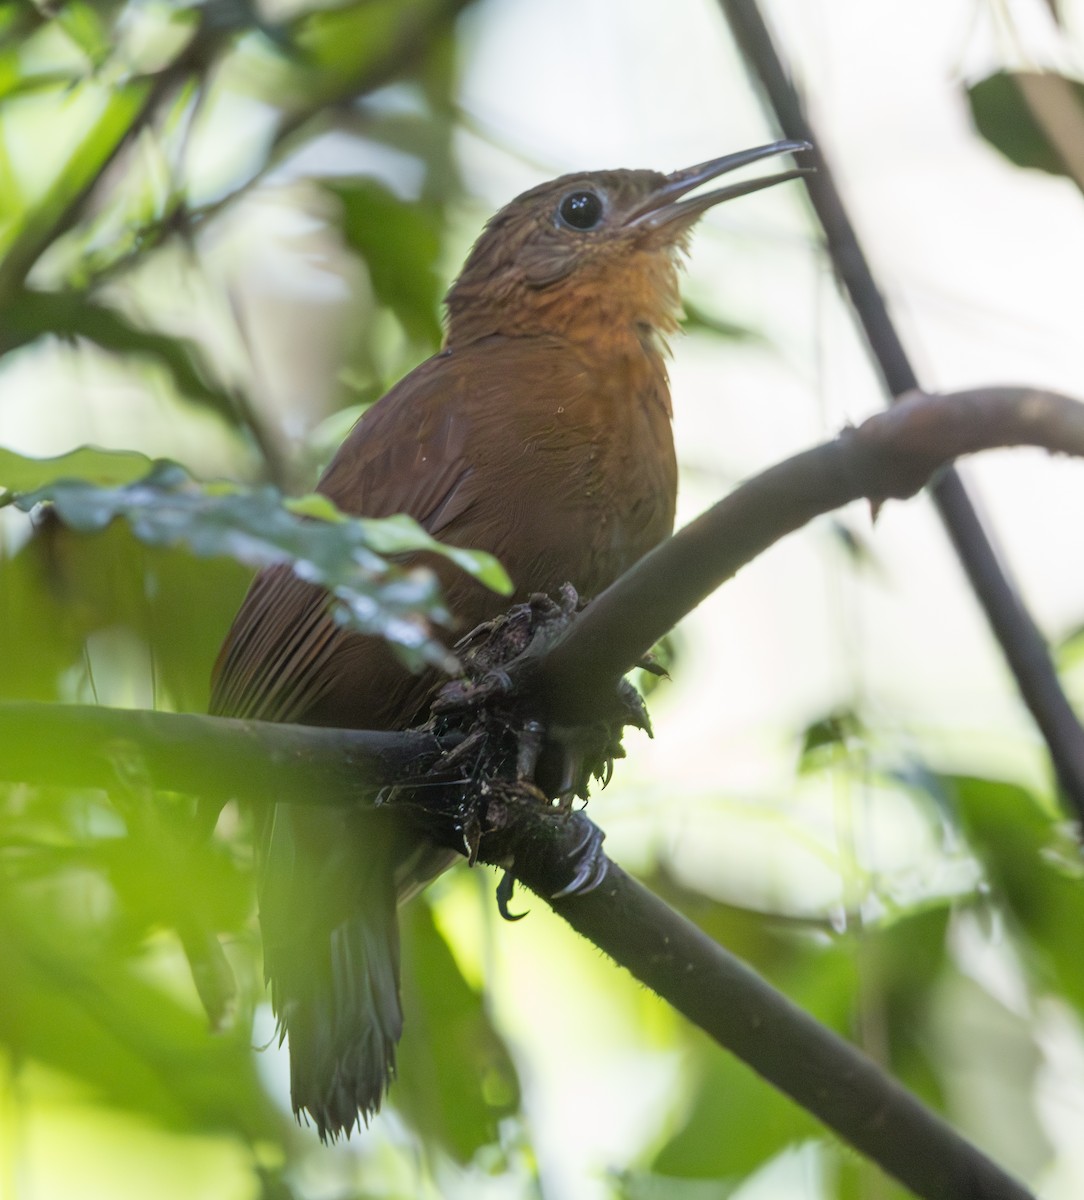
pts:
[591, 483]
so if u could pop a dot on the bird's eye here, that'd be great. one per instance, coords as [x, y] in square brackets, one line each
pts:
[580, 210]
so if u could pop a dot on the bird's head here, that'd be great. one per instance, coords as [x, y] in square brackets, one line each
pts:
[594, 252]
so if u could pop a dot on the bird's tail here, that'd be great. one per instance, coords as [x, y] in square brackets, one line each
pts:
[331, 954]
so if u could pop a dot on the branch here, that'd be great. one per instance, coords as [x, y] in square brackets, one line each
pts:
[890, 455]
[825, 1074]
[1020, 640]
[215, 758]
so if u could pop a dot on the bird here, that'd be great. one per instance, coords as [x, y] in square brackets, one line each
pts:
[540, 432]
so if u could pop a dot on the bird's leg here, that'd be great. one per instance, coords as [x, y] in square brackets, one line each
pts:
[531, 738]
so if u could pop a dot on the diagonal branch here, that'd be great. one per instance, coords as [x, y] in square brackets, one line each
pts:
[890, 455]
[825, 1074]
[1021, 642]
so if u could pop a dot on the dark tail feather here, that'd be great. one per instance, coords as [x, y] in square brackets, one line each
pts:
[335, 974]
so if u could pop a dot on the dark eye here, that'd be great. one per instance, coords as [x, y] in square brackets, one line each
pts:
[581, 210]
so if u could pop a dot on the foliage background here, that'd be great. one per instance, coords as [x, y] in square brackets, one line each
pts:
[226, 229]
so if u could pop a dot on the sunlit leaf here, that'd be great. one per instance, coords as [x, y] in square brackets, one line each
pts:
[256, 527]
[85, 27]
[92, 464]
[71, 1003]
[120, 108]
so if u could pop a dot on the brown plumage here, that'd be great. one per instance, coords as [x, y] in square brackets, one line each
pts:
[541, 433]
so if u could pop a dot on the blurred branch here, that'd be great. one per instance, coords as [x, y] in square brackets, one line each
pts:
[414, 37]
[215, 758]
[75, 314]
[1021, 642]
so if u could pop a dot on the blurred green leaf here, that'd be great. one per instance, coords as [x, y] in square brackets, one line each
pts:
[259, 528]
[456, 1076]
[1069, 650]
[400, 244]
[83, 24]
[664, 654]
[92, 464]
[698, 319]
[74, 314]
[66, 600]
[24, 240]
[1004, 119]
[1033, 862]
[736, 1121]
[836, 730]
[71, 1003]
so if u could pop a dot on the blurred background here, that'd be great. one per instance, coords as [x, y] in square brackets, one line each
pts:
[226, 228]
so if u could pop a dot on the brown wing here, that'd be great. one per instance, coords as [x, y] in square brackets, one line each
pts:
[511, 446]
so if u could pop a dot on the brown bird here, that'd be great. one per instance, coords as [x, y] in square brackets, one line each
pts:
[541, 433]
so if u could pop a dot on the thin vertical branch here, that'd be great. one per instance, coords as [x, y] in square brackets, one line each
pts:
[1020, 640]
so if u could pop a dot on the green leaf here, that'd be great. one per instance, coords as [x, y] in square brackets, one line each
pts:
[1033, 862]
[69, 1001]
[456, 1076]
[737, 1122]
[824, 737]
[76, 314]
[85, 28]
[700, 320]
[398, 602]
[400, 244]
[92, 464]
[1004, 119]
[26, 239]
[69, 602]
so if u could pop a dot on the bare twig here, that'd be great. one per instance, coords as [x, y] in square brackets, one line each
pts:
[1020, 640]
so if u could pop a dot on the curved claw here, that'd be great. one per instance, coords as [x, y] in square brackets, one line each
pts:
[589, 861]
[504, 897]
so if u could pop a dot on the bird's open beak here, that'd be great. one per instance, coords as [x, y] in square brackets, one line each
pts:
[665, 204]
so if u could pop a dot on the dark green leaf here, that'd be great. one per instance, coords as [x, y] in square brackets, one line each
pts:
[76, 315]
[835, 730]
[1004, 119]
[400, 243]
[1033, 862]
[456, 1077]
